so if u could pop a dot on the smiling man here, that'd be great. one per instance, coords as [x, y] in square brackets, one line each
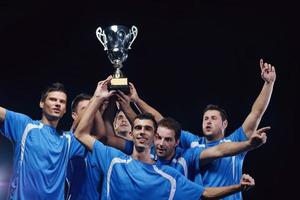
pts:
[41, 152]
[138, 176]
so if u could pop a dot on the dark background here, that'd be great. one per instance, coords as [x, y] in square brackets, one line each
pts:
[186, 55]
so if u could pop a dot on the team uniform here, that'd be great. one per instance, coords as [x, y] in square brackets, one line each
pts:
[223, 171]
[85, 180]
[186, 161]
[41, 155]
[127, 178]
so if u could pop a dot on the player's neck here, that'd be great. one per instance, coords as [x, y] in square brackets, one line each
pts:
[123, 134]
[46, 121]
[213, 138]
[142, 155]
[170, 157]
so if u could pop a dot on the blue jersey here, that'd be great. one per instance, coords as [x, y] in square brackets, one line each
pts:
[40, 157]
[186, 161]
[126, 178]
[223, 171]
[85, 181]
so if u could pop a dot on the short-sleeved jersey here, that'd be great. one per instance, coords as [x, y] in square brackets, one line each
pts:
[221, 172]
[40, 160]
[127, 178]
[85, 181]
[186, 161]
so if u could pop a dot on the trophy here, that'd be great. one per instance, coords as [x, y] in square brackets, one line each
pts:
[117, 40]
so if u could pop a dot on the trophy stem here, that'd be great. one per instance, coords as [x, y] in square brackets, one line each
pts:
[118, 73]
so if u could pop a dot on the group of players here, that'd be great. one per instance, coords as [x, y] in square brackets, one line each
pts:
[112, 152]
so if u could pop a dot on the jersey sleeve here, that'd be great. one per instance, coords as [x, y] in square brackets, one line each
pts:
[190, 140]
[103, 155]
[128, 147]
[76, 148]
[14, 125]
[186, 188]
[194, 156]
[238, 135]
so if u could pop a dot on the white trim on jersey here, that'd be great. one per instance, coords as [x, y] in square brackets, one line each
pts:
[113, 162]
[170, 178]
[25, 133]
[69, 143]
[182, 162]
[232, 159]
[196, 144]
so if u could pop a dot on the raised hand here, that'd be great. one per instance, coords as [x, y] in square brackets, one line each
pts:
[259, 137]
[133, 93]
[268, 72]
[103, 106]
[123, 100]
[101, 91]
[247, 182]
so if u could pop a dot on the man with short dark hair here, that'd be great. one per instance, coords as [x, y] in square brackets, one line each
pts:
[122, 125]
[139, 176]
[84, 180]
[41, 152]
[189, 161]
[228, 170]
[224, 171]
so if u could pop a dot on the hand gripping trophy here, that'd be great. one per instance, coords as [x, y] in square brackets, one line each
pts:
[117, 40]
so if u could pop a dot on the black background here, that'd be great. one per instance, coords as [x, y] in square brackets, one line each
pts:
[186, 55]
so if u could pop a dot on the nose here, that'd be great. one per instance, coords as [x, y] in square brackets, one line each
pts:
[161, 142]
[142, 131]
[57, 104]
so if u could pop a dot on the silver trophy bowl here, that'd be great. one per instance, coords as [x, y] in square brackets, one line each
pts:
[117, 40]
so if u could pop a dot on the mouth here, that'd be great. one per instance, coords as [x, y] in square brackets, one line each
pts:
[56, 110]
[208, 128]
[160, 150]
[141, 140]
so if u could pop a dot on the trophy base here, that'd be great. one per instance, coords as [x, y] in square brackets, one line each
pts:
[119, 84]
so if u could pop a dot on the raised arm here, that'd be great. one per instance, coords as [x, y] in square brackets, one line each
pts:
[246, 183]
[142, 105]
[233, 148]
[260, 105]
[2, 114]
[98, 128]
[124, 102]
[111, 138]
[85, 125]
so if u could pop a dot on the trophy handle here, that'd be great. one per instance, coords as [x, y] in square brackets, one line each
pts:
[134, 32]
[100, 34]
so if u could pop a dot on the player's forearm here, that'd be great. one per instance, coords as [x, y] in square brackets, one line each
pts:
[112, 139]
[233, 148]
[223, 150]
[130, 114]
[86, 121]
[98, 127]
[145, 108]
[258, 108]
[261, 103]
[220, 192]
[2, 114]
